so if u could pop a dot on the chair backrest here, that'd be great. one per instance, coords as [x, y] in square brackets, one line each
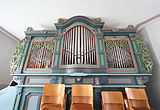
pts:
[138, 94]
[137, 98]
[53, 95]
[112, 97]
[82, 94]
[54, 90]
[112, 100]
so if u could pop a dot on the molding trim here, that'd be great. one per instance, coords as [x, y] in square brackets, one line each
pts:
[9, 34]
[94, 86]
[146, 21]
[100, 74]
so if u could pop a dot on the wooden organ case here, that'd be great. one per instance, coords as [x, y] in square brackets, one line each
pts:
[79, 51]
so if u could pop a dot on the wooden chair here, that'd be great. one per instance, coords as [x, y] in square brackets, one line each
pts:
[137, 99]
[112, 100]
[82, 97]
[53, 97]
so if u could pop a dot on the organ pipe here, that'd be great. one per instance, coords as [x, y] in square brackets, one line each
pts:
[79, 47]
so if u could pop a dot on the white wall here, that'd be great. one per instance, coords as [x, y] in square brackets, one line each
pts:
[7, 46]
[153, 31]
[153, 86]
[17, 15]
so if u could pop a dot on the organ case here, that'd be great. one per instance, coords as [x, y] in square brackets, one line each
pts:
[79, 51]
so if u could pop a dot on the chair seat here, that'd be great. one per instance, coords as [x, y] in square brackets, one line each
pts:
[83, 99]
[53, 108]
[51, 105]
[81, 107]
[52, 99]
[138, 103]
[113, 107]
[139, 108]
[137, 99]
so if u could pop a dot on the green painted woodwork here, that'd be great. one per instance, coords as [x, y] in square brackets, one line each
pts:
[57, 45]
[62, 20]
[96, 19]
[102, 60]
[17, 102]
[135, 47]
[39, 42]
[56, 60]
[21, 64]
[148, 64]
[26, 47]
[139, 62]
[110, 44]
[17, 55]
[100, 44]
[48, 45]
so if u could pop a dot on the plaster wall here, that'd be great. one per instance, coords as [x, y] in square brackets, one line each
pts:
[154, 35]
[153, 86]
[7, 46]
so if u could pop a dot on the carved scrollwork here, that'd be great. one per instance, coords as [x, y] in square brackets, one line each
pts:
[122, 44]
[96, 19]
[148, 64]
[17, 56]
[18, 80]
[62, 20]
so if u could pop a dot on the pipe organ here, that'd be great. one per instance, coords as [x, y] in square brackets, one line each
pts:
[79, 51]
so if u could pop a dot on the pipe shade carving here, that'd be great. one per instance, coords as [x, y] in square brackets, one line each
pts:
[147, 61]
[17, 56]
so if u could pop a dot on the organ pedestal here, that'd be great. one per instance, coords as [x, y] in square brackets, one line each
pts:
[79, 51]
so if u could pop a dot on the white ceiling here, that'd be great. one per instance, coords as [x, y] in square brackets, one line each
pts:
[17, 15]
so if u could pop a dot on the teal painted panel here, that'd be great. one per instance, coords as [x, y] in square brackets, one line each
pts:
[22, 61]
[38, 80]
[102, 60]
[100, 45]
[120, 81]
[57, 45]
[29, 96]
[139, 61]
[26, 47]
[56, 60]
[135, 47]
[32, 103]
[17, 102]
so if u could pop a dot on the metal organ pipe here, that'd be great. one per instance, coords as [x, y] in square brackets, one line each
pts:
[79, 47]
[40, 58]
[119, 57]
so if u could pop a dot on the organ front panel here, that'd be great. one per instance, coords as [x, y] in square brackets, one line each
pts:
[79, 51]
